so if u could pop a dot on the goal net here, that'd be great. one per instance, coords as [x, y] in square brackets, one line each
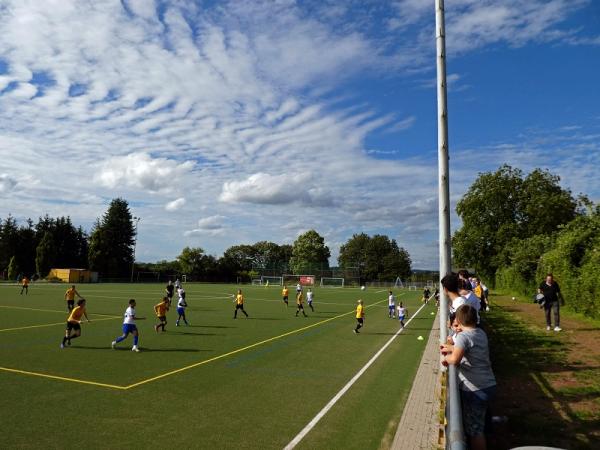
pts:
[412, 288]
[272, 281]
[398, 283]
[304, 280]
[257, 282]
[332, 282]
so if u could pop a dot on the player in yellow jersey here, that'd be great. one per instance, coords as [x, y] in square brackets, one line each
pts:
[25, 285]
[285, 293]
[239, 304]
[161, 312]
[360, 316]
[70, 297]
[299, 305]
[74, 323]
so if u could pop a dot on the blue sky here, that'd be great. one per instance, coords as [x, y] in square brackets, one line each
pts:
[238, 121]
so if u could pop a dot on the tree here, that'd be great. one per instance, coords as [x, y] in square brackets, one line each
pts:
[45, 255]
[112, 240]
[376, 258]
[191, 261]
[309, 252]
[503, 206]
[13, 269]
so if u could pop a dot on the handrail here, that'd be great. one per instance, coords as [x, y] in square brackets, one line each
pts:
[455, 436]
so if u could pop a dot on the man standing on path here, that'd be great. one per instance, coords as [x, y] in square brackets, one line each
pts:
[551, 291]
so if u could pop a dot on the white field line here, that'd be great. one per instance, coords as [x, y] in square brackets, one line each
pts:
[348, 385]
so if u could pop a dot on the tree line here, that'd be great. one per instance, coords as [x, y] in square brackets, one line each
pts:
[109, 249]
[516, 228]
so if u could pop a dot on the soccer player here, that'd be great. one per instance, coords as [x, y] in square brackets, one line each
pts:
[70, 297]
[169, 290]
[426, 294]
[299, 305]
[177, 283]
[402, 313]
[360, 316]
[391, 305]
[309, 299]
[25, 285]
[74, 323]
[298, 288]
[285, 292]
[129, 327]
[239, 304]
[181, 305]
[161, 312]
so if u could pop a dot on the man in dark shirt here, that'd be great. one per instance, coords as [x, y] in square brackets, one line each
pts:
[551, 291]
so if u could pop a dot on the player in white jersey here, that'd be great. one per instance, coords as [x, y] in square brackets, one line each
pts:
[129, 327]
[391, 305]
[402, 312]
[177, 283]
[181, 305]
[298, 288]
[309, 299]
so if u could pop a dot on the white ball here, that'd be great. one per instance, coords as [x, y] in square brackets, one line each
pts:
[362, 288]
[514, 298]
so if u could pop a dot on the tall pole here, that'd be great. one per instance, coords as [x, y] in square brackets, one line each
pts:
[137, 220]
[443, 172]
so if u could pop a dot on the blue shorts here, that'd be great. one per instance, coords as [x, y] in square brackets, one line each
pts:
[474, 405]
[129, 328]
[181, 311]
[392, 308]
[401, 318]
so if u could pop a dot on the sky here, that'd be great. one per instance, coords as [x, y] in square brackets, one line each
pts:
[233, 122]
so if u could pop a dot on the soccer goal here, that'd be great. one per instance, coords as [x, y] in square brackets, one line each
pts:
[398, 283]
[272, 281]
[429, 283]
[304, 280]
[332, 282]
[412, 288]
[257, 282]
[184, 278]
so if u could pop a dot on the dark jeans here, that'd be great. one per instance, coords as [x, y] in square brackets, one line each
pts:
[556, 307]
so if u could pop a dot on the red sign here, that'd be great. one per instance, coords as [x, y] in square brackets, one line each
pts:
[310, 280]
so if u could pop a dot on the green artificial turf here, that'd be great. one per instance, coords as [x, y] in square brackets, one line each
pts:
[214, 384]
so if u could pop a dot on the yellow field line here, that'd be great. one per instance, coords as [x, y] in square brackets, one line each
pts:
[52, 324]
[173, 372]
[55, 377]
[51, 310]
[224, 355]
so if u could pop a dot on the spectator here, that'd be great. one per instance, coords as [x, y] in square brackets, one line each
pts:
[551, 291]
[470, 354]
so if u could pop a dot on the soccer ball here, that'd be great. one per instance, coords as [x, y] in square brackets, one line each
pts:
[362, 288]
[514, 299]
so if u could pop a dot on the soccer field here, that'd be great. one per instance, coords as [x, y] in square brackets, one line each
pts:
[219, 383]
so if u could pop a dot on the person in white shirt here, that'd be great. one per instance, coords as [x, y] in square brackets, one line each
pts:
[402, 313]
[309, 299]
[391, 305]
[298, 288]
[181, 305]
[129, 327]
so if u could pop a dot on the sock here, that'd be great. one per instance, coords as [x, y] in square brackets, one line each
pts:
[135, 340]
[119, 339]
[64, 340]
[73, 336]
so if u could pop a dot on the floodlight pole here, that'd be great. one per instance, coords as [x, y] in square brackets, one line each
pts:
[443, 172]
[137, 220]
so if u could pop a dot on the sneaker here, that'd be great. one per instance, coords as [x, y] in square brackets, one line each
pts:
[156, 328]
[135, 349]
[113, 344]
[547, 328]
[557, 328]
[176, 324]
[487, 308]
[62, 345]
[355, 331]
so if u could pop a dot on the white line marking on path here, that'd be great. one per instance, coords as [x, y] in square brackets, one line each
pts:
[339, 395]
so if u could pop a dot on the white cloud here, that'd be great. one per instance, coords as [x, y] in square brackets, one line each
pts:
[140, 170]
[7, 183]
[211, 226]
[175, 204]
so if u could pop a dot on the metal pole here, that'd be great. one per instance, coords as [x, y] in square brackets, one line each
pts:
[137, 220]
[443, 172]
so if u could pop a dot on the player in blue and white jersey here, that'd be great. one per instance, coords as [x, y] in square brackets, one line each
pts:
[391, 305]
[129, 327]
[181, 305]
[402, 312]
[310, 298]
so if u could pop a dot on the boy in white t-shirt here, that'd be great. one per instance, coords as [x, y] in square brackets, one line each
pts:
[391, 305]
[129, 327]
[310, 298]
[402, 313]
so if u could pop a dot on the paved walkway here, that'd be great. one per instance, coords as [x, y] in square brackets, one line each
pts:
[419, 426]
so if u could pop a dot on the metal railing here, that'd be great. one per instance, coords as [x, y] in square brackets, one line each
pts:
[455, 436]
